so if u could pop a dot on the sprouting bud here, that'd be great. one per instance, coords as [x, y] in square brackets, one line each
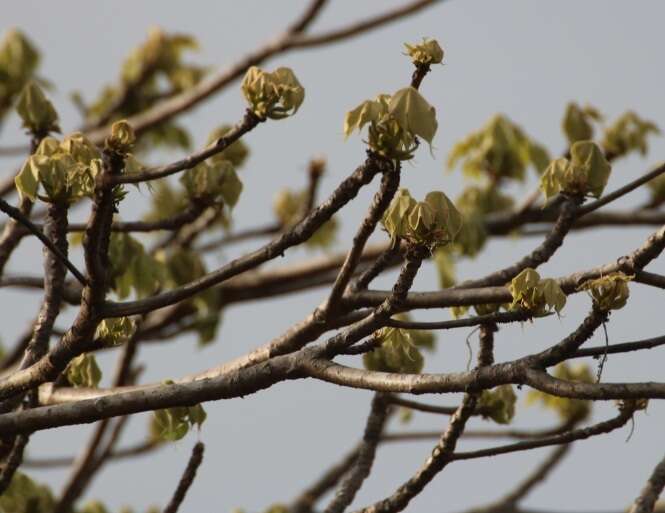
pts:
[427, 52]
[122, 137]
[275, 95]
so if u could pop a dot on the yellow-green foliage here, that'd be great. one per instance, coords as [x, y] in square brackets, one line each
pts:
[172, 424]
[434, 221]
[397, 353]
[498, 404]
[567, 409]
[275, 95]
[25, 496]
[609, 292]
[394, 122]
[578, 122]
[628, 133]
[151, 71]
[18, 62]
[115, 331]
[585, 174]
[83, 371]
[425, 53]
[498, 150]
[289, 208]
[537, 295]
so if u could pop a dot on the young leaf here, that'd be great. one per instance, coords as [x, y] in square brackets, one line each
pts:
[427, 52]
[36, 111]
[413, 113]
[83, 371]
[609, 292]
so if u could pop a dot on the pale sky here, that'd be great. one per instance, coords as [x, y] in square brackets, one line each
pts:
[524, 58]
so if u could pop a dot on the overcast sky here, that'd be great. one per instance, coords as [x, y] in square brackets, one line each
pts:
[526, 59]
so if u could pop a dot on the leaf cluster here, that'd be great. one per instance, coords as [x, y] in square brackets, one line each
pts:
[432, 222]
[289, 208]
[499, 150]
[567, 409]
[65, 170]
[153, 70]
[172, 424]
[609, 292]
[498, 404]
[83, 371]
[18, 62]
[425, 53]
[584, 174]
[534, 294]
[275, 95]
[394, 122]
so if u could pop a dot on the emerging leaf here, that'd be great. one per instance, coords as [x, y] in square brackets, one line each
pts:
[275, 95]
[36, 111]
[628, 133]
[413, 113]
[172, 424]
[427, 52]
[498, 404]
[434, 221]
[397, 353]
[586, 173]
[122, 137]
[498, 150]
[609, 292]
[213, 182]
[83, 371]
[445, 266]
[538, 296]
[577, 122]
[23, 495]
[569, 410]
[115, 331]
[236, 153]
